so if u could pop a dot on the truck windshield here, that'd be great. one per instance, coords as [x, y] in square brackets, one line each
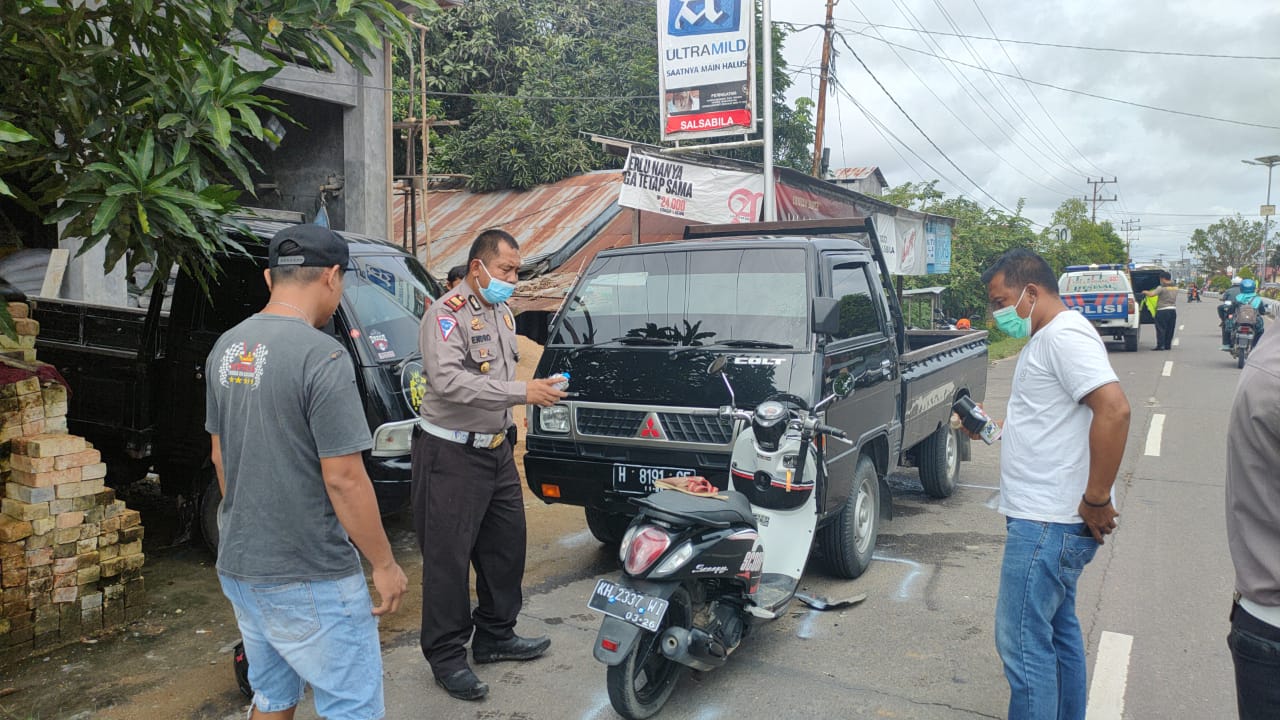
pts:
[691, 298]
[387, 295]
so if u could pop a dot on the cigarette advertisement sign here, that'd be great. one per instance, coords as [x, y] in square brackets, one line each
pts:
[706, 66]
[658, 184]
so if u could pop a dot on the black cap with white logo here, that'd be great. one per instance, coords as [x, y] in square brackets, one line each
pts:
[309, 246]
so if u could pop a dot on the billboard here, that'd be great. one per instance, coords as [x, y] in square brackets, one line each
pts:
[706, 68]
[937, 236]
[664, 185]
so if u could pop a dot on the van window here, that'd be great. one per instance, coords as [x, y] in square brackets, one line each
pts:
[1090, 282]
[858, 314]
[695, 297]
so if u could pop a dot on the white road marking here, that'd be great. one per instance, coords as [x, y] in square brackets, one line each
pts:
[1168, 368]
[1182, 327]
[904, 589]
[1154, 434]
[977, 487]
[1110, 677]
[1176, 341]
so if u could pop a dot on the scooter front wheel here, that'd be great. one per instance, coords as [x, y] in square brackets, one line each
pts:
[642, 683]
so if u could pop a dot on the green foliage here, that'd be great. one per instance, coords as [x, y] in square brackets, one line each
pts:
[487, 51]
[1090, 242]
[980, 236]
[1218, 283]
[1230, 242]
[139, 113]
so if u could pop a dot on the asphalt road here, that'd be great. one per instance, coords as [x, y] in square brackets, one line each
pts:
[920, 645]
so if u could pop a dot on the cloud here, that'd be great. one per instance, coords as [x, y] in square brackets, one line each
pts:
[1165, 163]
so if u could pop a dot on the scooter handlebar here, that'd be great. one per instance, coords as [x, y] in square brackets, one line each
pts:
[832, 431]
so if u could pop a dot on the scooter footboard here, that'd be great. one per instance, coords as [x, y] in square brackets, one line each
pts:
[617, 637]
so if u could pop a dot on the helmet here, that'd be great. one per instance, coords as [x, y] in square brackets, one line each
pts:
[1235, 280]
[769, 423]
[963, 324]
[1248, 285]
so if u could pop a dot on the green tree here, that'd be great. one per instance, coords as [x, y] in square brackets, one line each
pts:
[1090, 242]
[492, 63]
[1230, 242]
[139, 114]
[980, 236]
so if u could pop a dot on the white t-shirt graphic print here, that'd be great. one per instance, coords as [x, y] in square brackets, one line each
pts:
[1044, 456]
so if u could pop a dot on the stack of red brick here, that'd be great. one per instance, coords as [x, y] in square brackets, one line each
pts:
[70, 553]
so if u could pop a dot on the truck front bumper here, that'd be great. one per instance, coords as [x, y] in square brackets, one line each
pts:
[589, 483]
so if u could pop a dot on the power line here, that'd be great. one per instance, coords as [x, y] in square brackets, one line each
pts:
[1085, 93]
[1091, 48]
[925, 135]
[1032, 91]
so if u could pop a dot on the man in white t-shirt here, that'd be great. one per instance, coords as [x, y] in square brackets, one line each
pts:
[1064, 436]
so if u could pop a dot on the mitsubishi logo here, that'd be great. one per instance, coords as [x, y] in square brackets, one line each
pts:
[652, 428]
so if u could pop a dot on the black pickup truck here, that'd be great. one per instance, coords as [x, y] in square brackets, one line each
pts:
[138, 375]
[793, 306]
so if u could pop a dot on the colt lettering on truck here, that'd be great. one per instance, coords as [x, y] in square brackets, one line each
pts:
[791, 309]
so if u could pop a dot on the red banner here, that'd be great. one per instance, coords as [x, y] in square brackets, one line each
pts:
[709, 121]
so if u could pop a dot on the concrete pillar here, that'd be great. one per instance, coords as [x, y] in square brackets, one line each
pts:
[85, 280]
[366, 159]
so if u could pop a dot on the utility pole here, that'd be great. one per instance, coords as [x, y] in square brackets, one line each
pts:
[1266, 211]
[770, 189]
[1095, 199]
[822, 90]
[1128, 226]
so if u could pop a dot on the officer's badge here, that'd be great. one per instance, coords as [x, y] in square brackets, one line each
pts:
[475, 304]
[477, 323]
[454, 303]
[484, 367]
[484, 352]
[511, 325]
[447, 326]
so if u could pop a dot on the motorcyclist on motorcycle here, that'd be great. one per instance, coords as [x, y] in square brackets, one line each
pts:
[1228, 297]
[1248, 295]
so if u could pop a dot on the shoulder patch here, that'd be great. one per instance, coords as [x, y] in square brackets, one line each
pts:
[447, 326]
[454, 303]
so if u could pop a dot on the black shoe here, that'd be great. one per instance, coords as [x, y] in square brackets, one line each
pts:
[517, 648]
[463, 685]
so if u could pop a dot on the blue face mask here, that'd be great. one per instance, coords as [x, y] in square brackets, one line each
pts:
[498, 291]
[1010, 322]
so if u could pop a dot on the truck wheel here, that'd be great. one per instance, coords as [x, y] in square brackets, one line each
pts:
[607, 527]
[939, 461]
[210, 500]
[850, 539]
[1131, 340]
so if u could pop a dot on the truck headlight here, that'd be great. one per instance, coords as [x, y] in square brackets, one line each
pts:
[393, 439]
[554, 419]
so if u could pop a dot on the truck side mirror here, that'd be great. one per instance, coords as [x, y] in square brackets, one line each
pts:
[826, 316]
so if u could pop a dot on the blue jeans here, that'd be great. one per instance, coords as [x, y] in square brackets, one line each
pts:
[1037, 632]
[317, 632]
[1255, 651]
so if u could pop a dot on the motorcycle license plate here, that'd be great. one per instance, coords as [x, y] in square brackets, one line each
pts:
[628, 605]
[640, 479]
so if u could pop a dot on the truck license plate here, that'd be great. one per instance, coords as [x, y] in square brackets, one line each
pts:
[628, 605]
[639, 479]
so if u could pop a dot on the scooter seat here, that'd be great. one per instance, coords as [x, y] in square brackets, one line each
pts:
[679, 508]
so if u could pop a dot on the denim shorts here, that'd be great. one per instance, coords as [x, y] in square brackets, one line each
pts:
[319, 632]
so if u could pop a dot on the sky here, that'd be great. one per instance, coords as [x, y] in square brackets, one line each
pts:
[1175, 173]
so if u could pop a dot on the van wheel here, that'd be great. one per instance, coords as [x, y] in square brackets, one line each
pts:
[1131, 340]
[607, 527]
[210, 501]
[849, 541]
[939, 460]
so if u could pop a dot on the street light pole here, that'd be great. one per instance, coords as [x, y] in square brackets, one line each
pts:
[1270, 161]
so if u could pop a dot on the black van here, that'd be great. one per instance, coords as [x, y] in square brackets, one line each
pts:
[138, 378]
[792, 306]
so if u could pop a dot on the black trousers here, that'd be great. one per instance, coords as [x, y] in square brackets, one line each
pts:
[1166, 323]
[1255, 650]
[468, 510]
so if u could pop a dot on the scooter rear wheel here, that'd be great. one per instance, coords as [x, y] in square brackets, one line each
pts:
[642, 683]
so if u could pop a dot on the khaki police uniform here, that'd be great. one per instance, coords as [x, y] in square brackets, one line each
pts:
[468, 507]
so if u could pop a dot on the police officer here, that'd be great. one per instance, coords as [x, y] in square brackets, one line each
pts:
[468, 506]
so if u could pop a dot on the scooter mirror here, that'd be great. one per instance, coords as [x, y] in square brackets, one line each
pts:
[843, 385]
[717, 365]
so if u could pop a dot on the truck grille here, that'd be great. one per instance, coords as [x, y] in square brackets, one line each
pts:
[609, 423]
[697, 428]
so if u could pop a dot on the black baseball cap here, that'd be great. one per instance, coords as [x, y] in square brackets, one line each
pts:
[309, 246]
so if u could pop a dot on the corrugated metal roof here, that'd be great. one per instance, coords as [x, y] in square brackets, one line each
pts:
[550, 222]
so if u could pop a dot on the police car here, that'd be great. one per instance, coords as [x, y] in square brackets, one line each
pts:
[1104, 295]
